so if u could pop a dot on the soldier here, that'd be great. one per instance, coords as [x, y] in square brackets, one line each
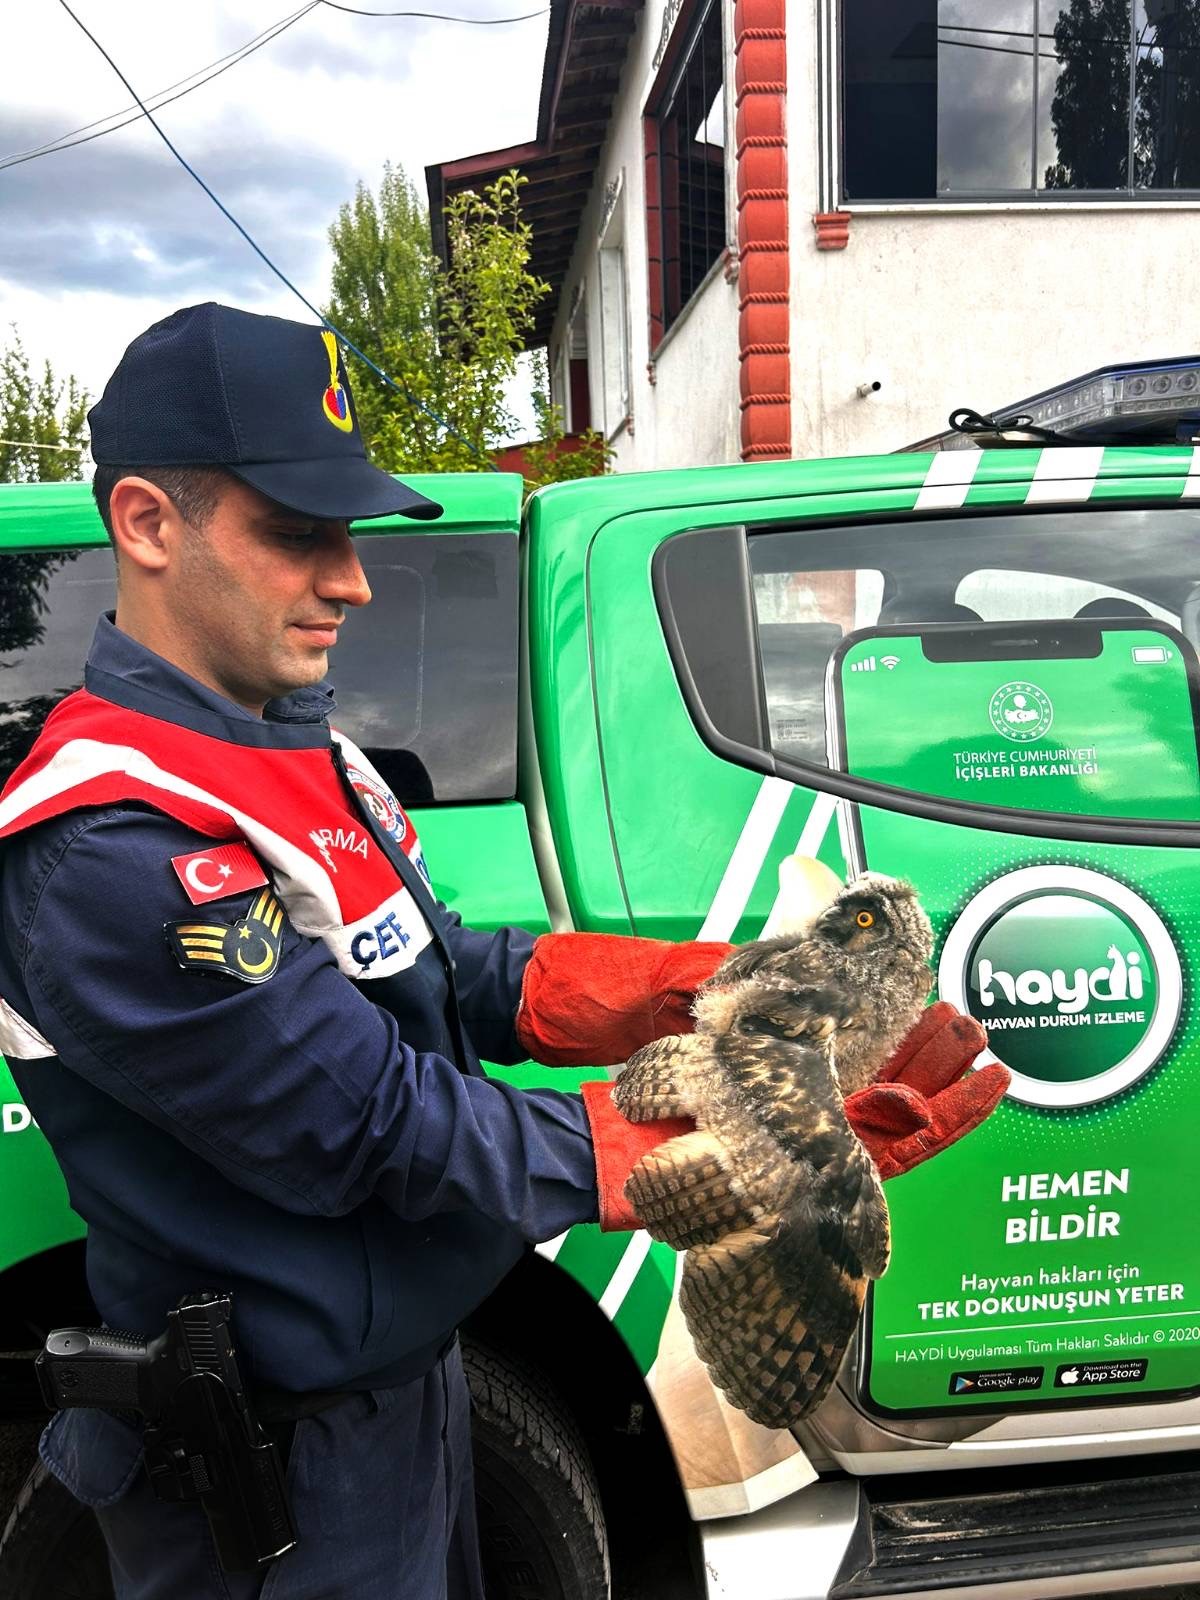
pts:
[237, 1097]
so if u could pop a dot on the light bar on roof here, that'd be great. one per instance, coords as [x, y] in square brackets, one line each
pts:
[1139, 402]
[1142, 389]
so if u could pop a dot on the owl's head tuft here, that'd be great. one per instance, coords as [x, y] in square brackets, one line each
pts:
[873, 913]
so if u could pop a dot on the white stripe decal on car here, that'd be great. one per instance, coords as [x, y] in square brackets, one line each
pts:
[1065, 474]
[812, 837]
[745, 864]
[621, 1282]
[20, 1039]
[951, 473]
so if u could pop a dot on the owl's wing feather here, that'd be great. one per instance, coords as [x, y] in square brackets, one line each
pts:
[772, 1311]
[665, 1078]
[685, 1193]
[855, 1227]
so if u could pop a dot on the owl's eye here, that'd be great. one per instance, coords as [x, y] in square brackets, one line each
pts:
[865, 919]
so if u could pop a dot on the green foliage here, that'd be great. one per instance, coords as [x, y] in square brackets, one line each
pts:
[450, 336]
[43, 411]
[487, 300]
[548, 461]
[1090, 108]
[384, 297]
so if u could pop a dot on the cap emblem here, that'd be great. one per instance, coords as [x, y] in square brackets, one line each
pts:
[335, 402]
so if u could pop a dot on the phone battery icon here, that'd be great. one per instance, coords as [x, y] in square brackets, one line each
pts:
[1151, 653]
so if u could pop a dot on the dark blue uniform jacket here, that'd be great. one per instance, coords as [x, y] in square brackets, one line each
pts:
[312, 1150]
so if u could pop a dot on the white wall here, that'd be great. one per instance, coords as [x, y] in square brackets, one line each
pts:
[690, 414]
[945, 308]
[976, 310]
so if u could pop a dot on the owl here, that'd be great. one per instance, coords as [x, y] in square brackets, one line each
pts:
[774, 1198]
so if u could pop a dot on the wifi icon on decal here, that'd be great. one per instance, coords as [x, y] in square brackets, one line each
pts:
[890, 662]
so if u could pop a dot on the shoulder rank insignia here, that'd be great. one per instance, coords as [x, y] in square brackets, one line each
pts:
[248, 950]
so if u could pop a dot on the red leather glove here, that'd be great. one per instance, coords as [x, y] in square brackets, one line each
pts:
[592, 999]
[923, 1101]
[619, 1146]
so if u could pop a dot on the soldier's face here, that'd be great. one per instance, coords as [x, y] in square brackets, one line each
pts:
[260, 593]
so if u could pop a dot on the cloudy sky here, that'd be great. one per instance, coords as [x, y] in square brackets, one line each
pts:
[98, 241]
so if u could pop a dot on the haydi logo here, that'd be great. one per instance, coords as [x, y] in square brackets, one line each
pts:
[1075, 977]
[1122, 979]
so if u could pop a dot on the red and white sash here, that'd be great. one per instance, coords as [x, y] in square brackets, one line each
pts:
[334, 880]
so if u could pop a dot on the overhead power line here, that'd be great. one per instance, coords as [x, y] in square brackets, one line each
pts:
[437, 16]
[31, 444]
[265, 258]
[162, 97]
[214, 69]
[154, 99]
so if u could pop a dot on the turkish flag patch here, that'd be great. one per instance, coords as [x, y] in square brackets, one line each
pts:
[212, 874]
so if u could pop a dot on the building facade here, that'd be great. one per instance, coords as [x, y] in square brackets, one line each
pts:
[815, 227]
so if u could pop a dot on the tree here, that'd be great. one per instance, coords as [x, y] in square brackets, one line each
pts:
[384, 298]
[486, 303]
[449, 336]
[551, 459]
[46, 417]
[46, 412]
[1167, 125]
[1090, 108]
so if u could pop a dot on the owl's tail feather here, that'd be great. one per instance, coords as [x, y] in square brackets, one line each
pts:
[772, 1315]
[756, 1342]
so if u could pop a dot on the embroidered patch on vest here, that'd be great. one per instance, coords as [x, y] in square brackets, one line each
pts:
[212, 874]
[380, 802]
[249, 950]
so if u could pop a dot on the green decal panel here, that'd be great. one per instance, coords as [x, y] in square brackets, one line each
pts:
[644, 1309]
[1106, 729]
[482, 866]
[1046, 1261]
[27, 1169]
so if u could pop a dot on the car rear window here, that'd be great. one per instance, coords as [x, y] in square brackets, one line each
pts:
[426, 676]
[754, 617]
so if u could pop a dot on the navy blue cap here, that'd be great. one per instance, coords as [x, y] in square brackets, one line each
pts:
[267, 399]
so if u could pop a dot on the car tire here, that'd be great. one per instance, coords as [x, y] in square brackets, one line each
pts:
[541, 1528]
[541, 1525]
[51, 1547]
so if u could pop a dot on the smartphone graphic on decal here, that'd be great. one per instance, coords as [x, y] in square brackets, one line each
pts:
[1076, 956]
[1095, 717]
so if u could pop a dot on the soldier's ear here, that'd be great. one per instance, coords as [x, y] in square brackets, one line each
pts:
[143, 517]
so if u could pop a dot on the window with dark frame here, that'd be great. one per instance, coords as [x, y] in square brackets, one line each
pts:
[957, 99]
[756, 615]
[426, 677]
[686, 146]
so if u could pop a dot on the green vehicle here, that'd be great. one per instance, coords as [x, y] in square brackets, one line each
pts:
[620, 708]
